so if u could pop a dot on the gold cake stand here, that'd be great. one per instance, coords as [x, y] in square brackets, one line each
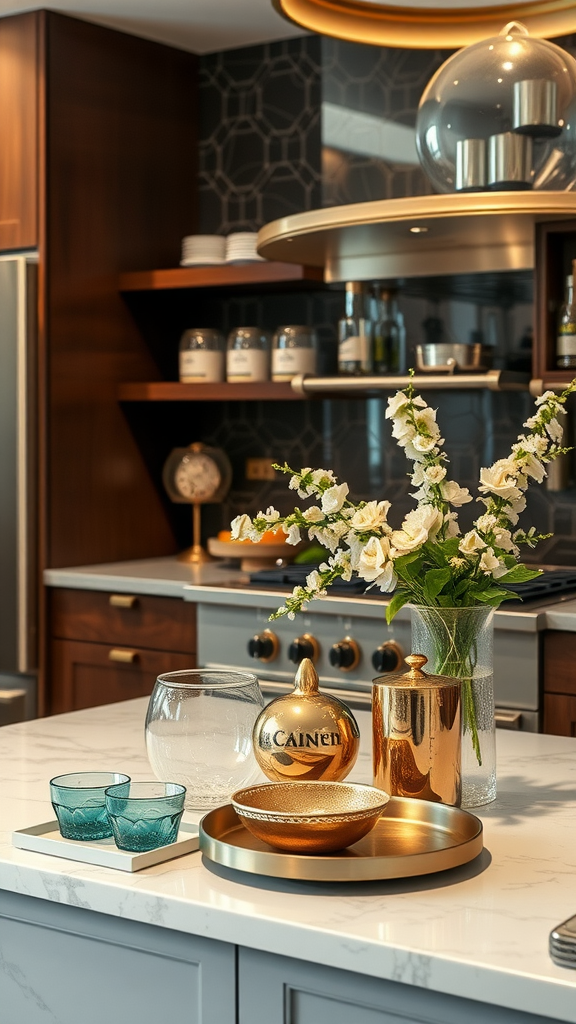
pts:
[412, 837]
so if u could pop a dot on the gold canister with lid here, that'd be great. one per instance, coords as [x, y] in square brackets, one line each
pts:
[416, 721]
[306, 735]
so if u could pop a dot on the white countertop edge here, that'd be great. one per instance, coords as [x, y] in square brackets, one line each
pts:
[166, 577]
[516, 990]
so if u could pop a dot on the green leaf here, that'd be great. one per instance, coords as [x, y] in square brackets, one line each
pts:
[435, 553]
[400, 598]
[450, 546]
[434, 581]
[519, 574]
[408, 567]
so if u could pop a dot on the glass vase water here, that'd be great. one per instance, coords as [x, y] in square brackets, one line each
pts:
[199, 733]
[459, 642]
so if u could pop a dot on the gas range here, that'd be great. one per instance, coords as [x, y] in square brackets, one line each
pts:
[350, 642]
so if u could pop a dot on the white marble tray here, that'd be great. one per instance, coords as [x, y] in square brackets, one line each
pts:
[46, 838]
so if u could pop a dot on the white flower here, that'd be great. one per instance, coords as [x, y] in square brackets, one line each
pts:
[320, 476]
[532, 467]
[372, 516]
[334, 498]
[422, 443]
[294, 483]
[426, 421]
[342, 560]
[454, 494]
[293, 533]
[330, 536]
[314, 514]
[515, 508]
[471, 542]
[375, 564]
[395, 404]
[373, 557]
[451, 528]
[491, 565]
[486, 523]
[242, 529]
[548, 397]
[421, 523]
[503, 539]
[435, 474]
[314, 582]
[501, 479]
[534, 443]
[419, 474]
[403, 431]
[457, 563]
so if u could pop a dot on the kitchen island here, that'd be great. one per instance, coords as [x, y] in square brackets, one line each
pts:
[79, 942]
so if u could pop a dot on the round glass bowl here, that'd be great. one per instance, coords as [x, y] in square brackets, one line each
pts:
[248, 355]
[80, 805]
[145, 815]
[202, 356]
[501, 114]
[199, 732]
[310, 817]
[294, 351]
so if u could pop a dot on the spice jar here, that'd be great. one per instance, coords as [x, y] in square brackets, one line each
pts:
[294, 351]
[202, 356]
[416, 734]
[248, 355]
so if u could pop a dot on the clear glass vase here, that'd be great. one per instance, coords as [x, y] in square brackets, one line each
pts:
[459, 642]
[199, 733]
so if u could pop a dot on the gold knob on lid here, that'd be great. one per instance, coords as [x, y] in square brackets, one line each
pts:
[306, 679]
[416, 663]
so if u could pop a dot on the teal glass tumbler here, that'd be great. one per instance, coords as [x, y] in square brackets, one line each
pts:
[80, 804]
[145, 815]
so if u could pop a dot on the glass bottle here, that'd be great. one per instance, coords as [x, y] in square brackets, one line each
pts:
[248, 355]
[202, 356]
[355, 334]
[389, 335]
[294, 351]
[566, 338]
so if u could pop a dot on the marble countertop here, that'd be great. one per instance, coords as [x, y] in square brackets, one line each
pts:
[220, 583]
[479, 931]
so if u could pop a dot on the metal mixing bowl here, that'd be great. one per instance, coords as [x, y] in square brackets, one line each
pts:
[449, 357]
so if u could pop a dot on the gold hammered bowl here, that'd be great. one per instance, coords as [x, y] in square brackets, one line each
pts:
[310, 817]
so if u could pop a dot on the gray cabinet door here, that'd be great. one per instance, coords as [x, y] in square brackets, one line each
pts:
[279, 990]
[66, 965]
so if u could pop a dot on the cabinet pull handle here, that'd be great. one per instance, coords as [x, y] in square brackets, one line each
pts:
[123, 655]
[122, 600]
[508, 720]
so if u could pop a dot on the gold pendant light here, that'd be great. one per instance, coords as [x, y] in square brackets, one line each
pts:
[416, 25]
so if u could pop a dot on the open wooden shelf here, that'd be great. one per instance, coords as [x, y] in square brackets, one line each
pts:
[173, 391]
[225, 276]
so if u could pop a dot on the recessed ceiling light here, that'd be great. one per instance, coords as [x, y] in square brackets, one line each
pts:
[418, 230]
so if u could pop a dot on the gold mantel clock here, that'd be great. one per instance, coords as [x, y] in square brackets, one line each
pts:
[197, 475]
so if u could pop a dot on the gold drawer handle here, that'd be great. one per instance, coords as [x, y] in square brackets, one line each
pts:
[122, 600]
[123, 655]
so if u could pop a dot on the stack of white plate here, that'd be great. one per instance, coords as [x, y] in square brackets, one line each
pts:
[241, 247]
[203, 250]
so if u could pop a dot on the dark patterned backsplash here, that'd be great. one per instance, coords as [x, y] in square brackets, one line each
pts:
[262, 157]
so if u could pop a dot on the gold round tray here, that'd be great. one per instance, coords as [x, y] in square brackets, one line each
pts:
[412, 837]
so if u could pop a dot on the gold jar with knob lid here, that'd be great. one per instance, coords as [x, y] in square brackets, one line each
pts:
[416, 734]
[306, 735]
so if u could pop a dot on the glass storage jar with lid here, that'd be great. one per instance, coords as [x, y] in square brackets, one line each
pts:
[294, 351]
[248, 355]
[202, 356]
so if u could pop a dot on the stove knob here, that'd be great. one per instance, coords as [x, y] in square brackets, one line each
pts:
[264, 646]
[344, 655]
[305, 646]
[388, 657]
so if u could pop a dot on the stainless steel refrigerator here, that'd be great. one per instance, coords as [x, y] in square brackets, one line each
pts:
[18, 487]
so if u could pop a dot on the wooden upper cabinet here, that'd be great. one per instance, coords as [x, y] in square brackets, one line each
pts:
[19, 131]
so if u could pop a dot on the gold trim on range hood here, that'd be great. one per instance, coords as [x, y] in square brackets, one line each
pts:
[456, 233]
[419, 27]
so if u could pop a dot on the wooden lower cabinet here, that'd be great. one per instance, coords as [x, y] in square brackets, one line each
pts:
[108, 647]
[84, 674]
[560, 683]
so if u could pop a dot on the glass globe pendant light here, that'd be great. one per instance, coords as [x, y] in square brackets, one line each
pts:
[501, 115]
